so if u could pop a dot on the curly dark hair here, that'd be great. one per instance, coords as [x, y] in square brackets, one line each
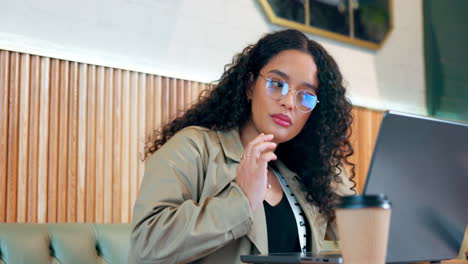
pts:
[323, 144]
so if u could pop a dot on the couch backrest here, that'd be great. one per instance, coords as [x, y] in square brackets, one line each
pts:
[64, 243]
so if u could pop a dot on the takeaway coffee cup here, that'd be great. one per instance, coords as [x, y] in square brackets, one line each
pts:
[363, 224]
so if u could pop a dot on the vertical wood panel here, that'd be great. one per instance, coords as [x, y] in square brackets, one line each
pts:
[166, 102]
[62, 186]
[173, 99]
[91, 146]
[180, 96]
[13, 127]
[195, 91]
[108, 143]
[82, 143]
[43, 155]
[141, 129]
[365, 120]
[72, 143]
[150, 100]
[100, 157]
[157, 103]
[72, 136]
[133, 135]
[4, 114]
[188, 98]
[22, 194]
[54, 103]
[117, 175]
[125, 146]
[33, 156]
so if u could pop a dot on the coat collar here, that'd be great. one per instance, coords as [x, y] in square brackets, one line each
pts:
[231, 143]
[232, 147]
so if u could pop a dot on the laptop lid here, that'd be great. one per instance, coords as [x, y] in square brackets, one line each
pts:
[421, 163]
[292, 258]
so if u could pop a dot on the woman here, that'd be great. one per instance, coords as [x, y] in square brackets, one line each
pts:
[255, 166]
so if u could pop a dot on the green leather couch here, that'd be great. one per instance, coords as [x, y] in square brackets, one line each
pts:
[68, 243]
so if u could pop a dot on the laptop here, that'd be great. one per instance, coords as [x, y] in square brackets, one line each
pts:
[421, 164]
[291, 258]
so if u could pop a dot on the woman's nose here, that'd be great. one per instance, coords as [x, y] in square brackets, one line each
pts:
[288, 100]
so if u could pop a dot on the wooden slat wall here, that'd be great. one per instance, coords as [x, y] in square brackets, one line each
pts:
[71, 135]
[364, 129]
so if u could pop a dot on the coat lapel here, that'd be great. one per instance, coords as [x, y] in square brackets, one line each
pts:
[232, 147]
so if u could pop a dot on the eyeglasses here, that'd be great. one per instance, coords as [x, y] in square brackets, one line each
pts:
[304, 100]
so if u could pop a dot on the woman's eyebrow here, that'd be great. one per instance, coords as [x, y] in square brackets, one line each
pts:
[286, 77]
[311, 86]
[280, 73]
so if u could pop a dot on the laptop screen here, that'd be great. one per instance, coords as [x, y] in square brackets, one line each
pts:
[421, 163]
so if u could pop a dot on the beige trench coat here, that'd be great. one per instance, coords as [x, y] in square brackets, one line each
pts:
[190, 208]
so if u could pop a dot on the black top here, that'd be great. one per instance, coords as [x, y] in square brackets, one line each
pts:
[282, 228]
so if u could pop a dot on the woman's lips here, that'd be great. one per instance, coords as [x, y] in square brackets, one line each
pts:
[282, 120]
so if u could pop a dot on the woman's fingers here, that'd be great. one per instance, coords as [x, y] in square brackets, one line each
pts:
[258, 149]
[267, 157]
[259, 139]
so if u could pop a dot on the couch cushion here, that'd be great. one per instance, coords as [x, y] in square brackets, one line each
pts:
[64, 243]
[113, 242]
[24, 243]
[73, 243]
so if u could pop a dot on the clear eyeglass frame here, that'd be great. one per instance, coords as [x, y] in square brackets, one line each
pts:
[269, 80]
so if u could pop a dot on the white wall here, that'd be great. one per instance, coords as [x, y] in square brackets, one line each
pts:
[194, 39]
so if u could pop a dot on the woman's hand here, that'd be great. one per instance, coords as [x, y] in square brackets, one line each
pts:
[253, 168]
